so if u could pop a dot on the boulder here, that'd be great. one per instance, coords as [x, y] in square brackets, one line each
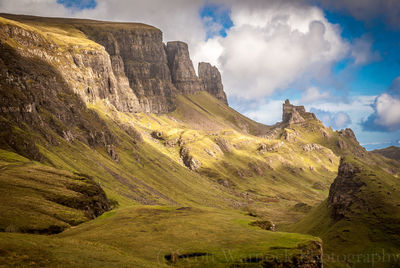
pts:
[312, 147]
[189, 161]
[264, 224]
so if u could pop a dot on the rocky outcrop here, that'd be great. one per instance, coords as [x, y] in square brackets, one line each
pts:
[264, 224]
[224, 145]
[270, 147]
[291, 113]
[290, 134]
[295, 114]
[182, 72]
[211, 79]
[188, 159]
[312, 147]
[347, 141]
[112, 152]
[347, 133]
[342, 194]
[92, 198]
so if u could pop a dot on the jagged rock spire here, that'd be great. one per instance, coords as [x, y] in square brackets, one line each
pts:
[211, 79]
[181, 67]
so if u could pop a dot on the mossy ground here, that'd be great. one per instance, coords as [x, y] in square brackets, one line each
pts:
[144, 235]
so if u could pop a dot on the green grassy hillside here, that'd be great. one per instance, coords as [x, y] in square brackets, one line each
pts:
[360, 222]
[183, 186]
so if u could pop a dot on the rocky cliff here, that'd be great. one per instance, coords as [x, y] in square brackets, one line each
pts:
[182, 72]
[156, 72]
[139, 63]
[211, 79]
[342, 193]
[127, 64]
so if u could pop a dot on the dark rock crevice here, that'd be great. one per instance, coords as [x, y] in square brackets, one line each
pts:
[342, 193]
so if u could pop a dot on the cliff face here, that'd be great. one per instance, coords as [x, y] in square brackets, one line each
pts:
[42, 89]
[149, 73]
[139, 62]
[212, 82]
[342, 193]
[183, 75]
[127, 64]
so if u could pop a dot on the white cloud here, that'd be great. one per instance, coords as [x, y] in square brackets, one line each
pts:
[386, 116]
[341, 120]
[38, 7]
[359, 106]
[178, 19]
[274, 43]
[337, 120]
[388, 111]
[268, 112]
[361, 51]
[313, 94]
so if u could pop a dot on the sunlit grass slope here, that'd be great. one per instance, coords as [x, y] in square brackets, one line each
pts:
[370, 230]
[36, 198]
[144, 235]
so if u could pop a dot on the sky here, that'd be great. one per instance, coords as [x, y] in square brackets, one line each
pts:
[338, 58]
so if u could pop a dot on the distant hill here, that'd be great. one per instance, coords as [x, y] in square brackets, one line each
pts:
[391, 152]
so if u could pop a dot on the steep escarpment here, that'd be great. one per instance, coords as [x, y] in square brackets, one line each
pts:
[35, 97]
[135, 71]
[139, 63]
[183, 75]
[156, 72]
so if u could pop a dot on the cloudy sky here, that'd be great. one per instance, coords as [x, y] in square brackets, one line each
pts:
[339, 58]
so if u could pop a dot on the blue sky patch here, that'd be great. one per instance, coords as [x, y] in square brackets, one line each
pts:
[216, 19]
[78, 4]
